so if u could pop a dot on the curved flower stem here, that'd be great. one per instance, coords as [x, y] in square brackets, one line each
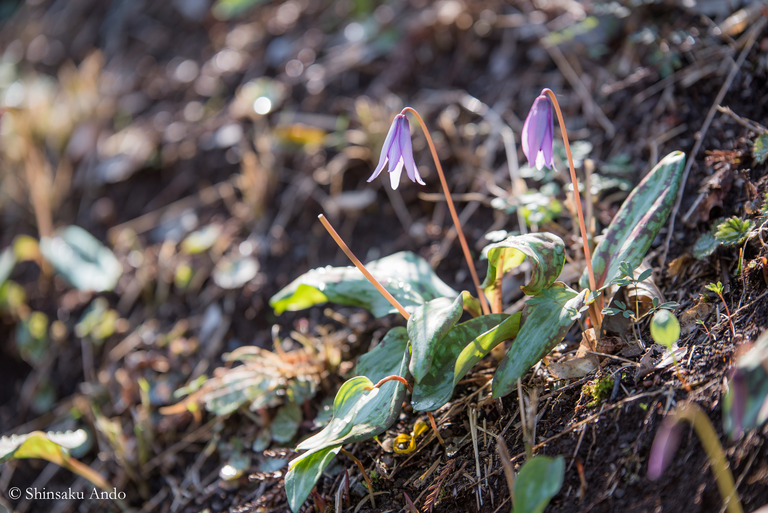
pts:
[576, 195]
[394, 377]
[384, 292]
[452, 209]
[693, 414]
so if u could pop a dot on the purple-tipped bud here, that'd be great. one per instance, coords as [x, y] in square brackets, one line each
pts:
[397, 150]
[663, 448]
[538, 132]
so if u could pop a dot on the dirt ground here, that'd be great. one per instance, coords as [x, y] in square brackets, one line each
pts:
[140, 122]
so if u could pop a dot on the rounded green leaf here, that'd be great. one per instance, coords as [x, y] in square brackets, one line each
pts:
[539, 480]
[81, 259]
[665, 329]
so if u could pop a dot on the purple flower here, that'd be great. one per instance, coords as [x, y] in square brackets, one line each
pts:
[398, 151]
[663, 448]
[538, 132]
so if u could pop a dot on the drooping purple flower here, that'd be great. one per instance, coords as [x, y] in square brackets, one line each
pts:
[538, 132]
[398, 151]
[664, 447]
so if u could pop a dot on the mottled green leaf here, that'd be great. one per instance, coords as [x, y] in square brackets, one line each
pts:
[427, 325]
[538, 481]
[638, 221]
[344, 406]
[482, 345]
[437, 386]
[384, 359]
[405, 275]
[81, 259]
[361, 411]
[546, 319]
[378, 409]
[303, 473]
[545, 251]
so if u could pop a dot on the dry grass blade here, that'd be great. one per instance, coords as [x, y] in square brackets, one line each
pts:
[506, 464]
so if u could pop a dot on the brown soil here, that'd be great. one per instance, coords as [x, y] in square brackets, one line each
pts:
[638, 85]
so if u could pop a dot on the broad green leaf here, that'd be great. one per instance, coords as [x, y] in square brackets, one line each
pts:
[545, 251]
[352, 391]
[760, 148]
[384, 359]
[233, 272]
[81, 259]
[378, 409]
[546, 319]
[405, 275]
[427, 325]
[638, 221]
[286, 423]
[360, 412]
[538, 481]
[437, 386]
[482, 345]
[53, 447]
[303, 473]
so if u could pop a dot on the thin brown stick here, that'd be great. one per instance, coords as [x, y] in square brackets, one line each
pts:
[452, 209]
[434, 428]
[576, 194]
[384, 292]
[362, 471]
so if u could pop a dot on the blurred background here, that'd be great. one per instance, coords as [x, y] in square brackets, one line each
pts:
[162, 166]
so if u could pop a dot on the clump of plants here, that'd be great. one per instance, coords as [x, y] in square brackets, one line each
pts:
[435, 349]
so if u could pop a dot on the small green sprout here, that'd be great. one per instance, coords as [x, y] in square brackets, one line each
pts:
[627, 278]
[665, 329]
[718, 288]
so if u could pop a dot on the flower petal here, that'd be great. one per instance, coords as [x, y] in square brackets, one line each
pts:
[537, 131]
[385, 149]
[394, 174]
[406, 147]
[546, 145]
[382, 163]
